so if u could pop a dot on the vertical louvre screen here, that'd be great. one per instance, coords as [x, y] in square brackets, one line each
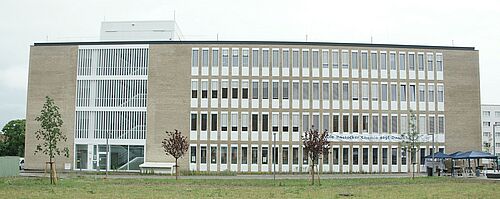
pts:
[126, 61]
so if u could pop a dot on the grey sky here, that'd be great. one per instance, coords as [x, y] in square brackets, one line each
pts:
[424, 22]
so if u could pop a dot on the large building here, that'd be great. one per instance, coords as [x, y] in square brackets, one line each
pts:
[491, 119]
[240, 102]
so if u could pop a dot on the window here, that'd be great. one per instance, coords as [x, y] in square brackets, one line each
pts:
[284, 155]
[430, 61]
[355, 123]
[422, 156]
[295, 155]
[431, 93]
[345, 123]
[255, 58]
[364, 91]
[265, 58]
[223, 154]
[421, 62]
[486, 114]
[224, 89]
[422, 124]
[225, 57]
[497, 113]
[402, 62]
[441, 124]
[315, 59]
[286, 59]
[295, 89]
[275, 90]
[305, 122]
[384, 156]
[255, 90]
[285, 120]
[295, 59]
[412, 93]
[204, 89]
[383, 61]
[204, 122]
[335, 156]
[384, 92]
[316, 122]
[365, 156]
[194, 121]
[335, 91]
[204, 58]
[354, 60]
[326, 91]
[345, 91]
[355, 156]
[244, 122]
[275, 155]
[275, 122]
[255, 121]
[402, 94]
[394, 124]
[439, 62]
[265, 90]
[203, 155]
[411, 62]
[345, 156]
[404, 124]
[394, 154]
[345, 59]
[265, 122]
[325, 156]
[305, 59]
[403, 157]
[325, 59]
[335, 58]
[392, 61]
[255, 155]
[264, 155]
[195, 56]
[214, 122]
[440, 93]
[234, 89]
[305, 90]
[374, 156]
[224, 121]
[215, 57]
[355, 91]
[234, 121]
[245, 58]
[432, 125]
[364, 60]
[193, 154]
[374, 92]
[234, 155]
[384, 124]
[375, 124]
[394, 92]
[194, 89]
[421, 93]
[244, 155]
[295, 122]
[326, 123]
[374, 63]
[315, 91]
[213, 155]
[244, 89]
[335, 123]
[276, 59]
[215, 87]
[285, 90]
[486, 124]
[365, 123]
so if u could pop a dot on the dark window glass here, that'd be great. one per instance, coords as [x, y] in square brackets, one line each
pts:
[213, 155]
[223, 155]
[335, 156]
[284, 155]
[335, 123]
[355, 156]
[244, 155]
[203, 122]
[214, 122]
[234, 155]
[265, 155]
[345, 156]
[295, 156]
[375, 156]
[384, 156]
[255, 121]
[394, 155]
[224, 93]
[244, 93]
[265, 124]
[193, 154]
[365, 156]
[194, 120]
[203, 154]
[255, 155]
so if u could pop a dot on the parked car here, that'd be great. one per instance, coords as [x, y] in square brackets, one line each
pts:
[21, 163]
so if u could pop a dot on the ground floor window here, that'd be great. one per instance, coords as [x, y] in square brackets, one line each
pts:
[81, 156]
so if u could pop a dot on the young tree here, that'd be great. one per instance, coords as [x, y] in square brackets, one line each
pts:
[315, 144]
[50, 134]
[14, 132]
[175, 145]
[412, 140]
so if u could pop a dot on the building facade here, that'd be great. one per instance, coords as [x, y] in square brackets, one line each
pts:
[244, 105]
[490, 117]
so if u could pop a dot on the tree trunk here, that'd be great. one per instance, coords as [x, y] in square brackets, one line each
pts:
[319, 181]
[312, 172]
[51, 171]
[176, 170]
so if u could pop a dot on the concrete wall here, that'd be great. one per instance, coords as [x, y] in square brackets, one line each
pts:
[52, 72]
[9, 165]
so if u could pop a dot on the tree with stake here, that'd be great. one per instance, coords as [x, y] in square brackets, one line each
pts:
[50, 133]
[315, 144]
[175, 145]
[412, 140]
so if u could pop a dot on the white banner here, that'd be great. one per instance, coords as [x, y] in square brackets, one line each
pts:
[347, 137]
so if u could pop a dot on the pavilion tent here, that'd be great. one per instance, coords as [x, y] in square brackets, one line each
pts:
[474, 155]
[438, 155]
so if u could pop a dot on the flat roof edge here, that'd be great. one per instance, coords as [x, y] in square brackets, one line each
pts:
[256, 43]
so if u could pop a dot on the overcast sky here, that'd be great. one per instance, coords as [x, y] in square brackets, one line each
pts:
[423, 22]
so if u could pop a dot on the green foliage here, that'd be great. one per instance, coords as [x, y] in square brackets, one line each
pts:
[50, 133]
[14, 133]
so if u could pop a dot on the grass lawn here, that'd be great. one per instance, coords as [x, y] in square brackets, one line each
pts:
[88, 187]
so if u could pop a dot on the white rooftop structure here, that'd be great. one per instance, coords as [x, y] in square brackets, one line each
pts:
[140, 31]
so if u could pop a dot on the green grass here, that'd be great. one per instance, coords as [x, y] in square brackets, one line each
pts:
[88, 187]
